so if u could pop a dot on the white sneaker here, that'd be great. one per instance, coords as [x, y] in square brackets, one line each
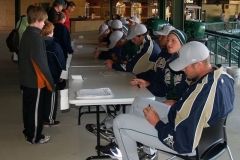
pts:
[43, 140]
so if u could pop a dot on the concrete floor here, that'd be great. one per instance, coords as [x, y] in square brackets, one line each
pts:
[68, 141]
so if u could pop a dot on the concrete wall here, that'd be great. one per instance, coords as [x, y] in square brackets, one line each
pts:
[7, 12]
[7, 18]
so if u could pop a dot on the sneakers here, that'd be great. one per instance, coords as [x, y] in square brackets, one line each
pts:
[91, 128]
[144, 156]
[146, 153]
[113, 151]
[110, 150]
[105, 133]
[44, 139]
[48, 124]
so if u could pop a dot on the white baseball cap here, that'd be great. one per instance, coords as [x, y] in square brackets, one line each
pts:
[116, 24]
[114, 38]
[164, 31]
[190, 53]
[109, 23]
[136, 30]
[135, 19]
[124, 20]
[102, 29]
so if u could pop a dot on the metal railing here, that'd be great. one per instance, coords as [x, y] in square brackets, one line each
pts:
[224, 27]
[225, 47]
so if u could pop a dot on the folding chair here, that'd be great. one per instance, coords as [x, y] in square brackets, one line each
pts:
[212, 144]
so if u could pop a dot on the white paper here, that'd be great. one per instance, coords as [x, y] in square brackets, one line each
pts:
[77, 77]
[94, 93]
[64, 99]
[64, 74]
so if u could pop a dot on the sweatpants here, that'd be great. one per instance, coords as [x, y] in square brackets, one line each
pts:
[50, 107]
[33, 105]
[133, 127]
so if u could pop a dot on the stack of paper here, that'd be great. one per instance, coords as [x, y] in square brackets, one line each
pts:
[94, 93]
[77, 77]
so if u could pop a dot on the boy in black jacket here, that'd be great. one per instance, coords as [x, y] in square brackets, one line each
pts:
[35, 76]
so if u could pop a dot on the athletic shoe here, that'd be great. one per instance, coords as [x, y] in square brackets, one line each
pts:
[146, 153]
[48, 124]
[91, 128]
[110, 150]
[44, 139]
[105, 133]
[144, 156]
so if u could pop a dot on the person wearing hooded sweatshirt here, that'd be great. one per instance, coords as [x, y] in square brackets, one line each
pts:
[162, 81]
[57, 64]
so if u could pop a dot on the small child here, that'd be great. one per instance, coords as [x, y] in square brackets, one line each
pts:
[56, 62]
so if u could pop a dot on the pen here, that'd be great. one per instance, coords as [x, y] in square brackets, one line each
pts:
[149, 107]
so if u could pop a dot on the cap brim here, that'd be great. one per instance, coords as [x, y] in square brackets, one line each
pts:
[130, 36]
[112, 44]
[177, 65]
[101, 33]
[158, 33]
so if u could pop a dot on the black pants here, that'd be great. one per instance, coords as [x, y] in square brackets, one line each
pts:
[33, 105]
[50, 108]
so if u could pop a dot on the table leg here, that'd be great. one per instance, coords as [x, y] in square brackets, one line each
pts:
[98, 156]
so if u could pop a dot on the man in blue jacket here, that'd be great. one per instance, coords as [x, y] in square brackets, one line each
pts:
[178, 128]
[144, 58]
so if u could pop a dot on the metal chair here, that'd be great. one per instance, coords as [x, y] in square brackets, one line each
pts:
[212, 144]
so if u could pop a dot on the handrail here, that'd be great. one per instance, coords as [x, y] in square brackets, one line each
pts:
[223, 26]
[222, 34]
[228, 45]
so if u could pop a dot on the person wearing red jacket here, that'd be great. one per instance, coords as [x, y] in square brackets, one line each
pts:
[70, 8]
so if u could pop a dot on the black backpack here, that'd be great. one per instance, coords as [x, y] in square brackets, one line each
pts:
[13, 39]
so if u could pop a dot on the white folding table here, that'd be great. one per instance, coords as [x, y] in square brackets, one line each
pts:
[99, 77]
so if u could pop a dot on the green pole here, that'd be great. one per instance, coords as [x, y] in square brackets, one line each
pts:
[111, 9]
[161, 8]
[17, 10]
[178, 14]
